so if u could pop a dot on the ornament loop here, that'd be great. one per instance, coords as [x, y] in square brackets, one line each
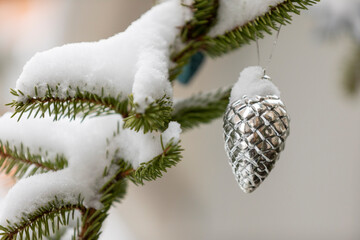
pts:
[266, 77]
[273, 47]
[272, 50]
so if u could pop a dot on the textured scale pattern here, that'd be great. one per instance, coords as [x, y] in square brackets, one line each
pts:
[255, 130]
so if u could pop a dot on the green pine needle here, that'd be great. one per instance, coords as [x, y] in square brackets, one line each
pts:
[182, 57]
[233, 39]
[241, 35]
[351, 81]
[156, 167]
[112, 191]
[81, 104]
[205, 13]
[24, 163]
[155, 117]
[115, 184]
[44, 221]
[201, 108]
[147, 171]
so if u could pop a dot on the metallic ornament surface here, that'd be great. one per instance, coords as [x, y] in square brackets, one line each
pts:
[255, 130]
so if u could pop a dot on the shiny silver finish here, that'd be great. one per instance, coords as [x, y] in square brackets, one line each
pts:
[255, 130]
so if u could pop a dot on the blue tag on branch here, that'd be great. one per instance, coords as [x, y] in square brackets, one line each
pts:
[190, 69]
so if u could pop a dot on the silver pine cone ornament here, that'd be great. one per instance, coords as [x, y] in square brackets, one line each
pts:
[255, 130]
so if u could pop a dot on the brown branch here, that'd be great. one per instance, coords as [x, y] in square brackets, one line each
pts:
[126, 173]
[86, 222]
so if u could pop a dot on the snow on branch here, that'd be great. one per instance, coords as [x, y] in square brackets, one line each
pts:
[204, 17]
[235, 13]
[153, 169]
[82, 104]
[155, 117]
[257, 16]
[135, 61]
[237, 22]
[43, 221]
[89, 147]
[20, 162]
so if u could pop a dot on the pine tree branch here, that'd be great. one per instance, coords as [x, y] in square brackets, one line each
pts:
[352, 74]
[204, 17]
[115, 188]
[155, 117]
[37, 224]
[112, 191]
[201, 108]
[92, 219]
[241, 35]
[235, 38]
[155, 168]
[22, 159]
[87, 223]
[81, 103]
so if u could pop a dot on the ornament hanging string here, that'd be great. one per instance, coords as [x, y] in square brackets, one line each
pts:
[273, 47]
[257, 49]
[272, 50]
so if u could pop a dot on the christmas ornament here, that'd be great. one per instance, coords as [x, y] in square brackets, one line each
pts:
[256, 125]
[190, 69]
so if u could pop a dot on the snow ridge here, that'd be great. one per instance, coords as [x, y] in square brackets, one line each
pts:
[89, 147]
[134, 61]
[238, 12]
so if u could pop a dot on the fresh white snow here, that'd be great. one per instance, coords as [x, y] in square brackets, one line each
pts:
[137, 147]
[85, 145]
[238, 12]
[134, 61]
[251, 83]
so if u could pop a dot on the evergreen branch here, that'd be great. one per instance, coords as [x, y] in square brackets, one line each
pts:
[233, 39]
[22, 159]
[155, 117]
[81, 103]
[36, 225]
[241, 35]
[155, 168]
[44, 221]
[112, 191]
[115, 187]
[352, 74]
[201, 108]
[204, 17]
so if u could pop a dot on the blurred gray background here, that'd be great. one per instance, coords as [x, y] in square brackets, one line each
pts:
[313, 192]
